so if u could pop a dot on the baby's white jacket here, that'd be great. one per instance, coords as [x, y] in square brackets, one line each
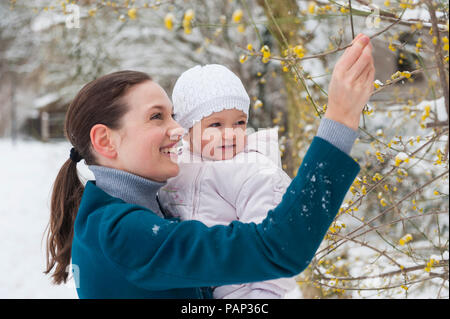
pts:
[243, 188]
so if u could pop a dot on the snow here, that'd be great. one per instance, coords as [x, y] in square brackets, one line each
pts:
[28, 170]
[155, 229]
[401, 156]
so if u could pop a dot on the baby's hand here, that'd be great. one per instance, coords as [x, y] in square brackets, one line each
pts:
[351, 83]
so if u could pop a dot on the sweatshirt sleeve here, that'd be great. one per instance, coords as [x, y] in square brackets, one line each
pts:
[154, 253]
[337, 134]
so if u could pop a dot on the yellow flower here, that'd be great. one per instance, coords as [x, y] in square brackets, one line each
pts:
[250, 47]
[391, 47]
[132, 13]
[187, 21]
[401, 157]
[257, 104]
[436, 193]
[419, 43]
[265, 50]
[311, 7]
[434, 40]
[241, 28]
[406, 74]
[377, 84]
[405, 239]
[243, 58]
[237, 15]
[168, 21]
[376, 177]
[430, 264]
[364, 190]
[189, 15]
[426, 112]
[92, 12]
[440, 156]
[383, 202]
[387, 3]
[299, 51]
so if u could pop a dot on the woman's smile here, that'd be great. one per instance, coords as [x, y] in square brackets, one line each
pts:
[172, 151]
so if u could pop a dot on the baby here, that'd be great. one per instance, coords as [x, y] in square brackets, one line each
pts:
[225, 175]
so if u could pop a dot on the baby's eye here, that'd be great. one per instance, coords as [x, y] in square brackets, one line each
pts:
[214, 124]
[156, 116]
[241, 123]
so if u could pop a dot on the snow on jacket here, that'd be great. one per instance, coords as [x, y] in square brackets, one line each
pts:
[244, 188]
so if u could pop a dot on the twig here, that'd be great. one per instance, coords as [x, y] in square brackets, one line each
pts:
[442, 263]
[438, 55]
[351, 18]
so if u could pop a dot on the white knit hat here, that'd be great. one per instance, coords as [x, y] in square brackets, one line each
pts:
[203, 90]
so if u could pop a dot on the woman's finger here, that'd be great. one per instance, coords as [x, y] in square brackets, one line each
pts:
[364, 60]
[352, 53]
[361, 80]
[370, 78]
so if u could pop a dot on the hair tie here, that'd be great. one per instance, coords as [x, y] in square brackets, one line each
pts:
[75, 156]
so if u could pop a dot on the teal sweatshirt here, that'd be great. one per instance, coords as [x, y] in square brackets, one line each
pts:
[123, 250]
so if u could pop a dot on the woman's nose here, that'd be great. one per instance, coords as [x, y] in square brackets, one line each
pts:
[176, 133]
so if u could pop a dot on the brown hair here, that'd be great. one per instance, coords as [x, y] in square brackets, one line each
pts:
[98, 102]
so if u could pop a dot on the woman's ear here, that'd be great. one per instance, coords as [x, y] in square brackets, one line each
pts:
[102, 141]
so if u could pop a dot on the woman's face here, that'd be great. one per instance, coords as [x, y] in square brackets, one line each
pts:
[146, 142]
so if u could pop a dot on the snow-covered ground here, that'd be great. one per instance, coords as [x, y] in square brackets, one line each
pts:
[28, 170]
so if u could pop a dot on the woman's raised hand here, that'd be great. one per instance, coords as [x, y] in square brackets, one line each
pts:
[351, 83]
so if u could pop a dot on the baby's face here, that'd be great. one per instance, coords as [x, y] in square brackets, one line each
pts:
[219, 136]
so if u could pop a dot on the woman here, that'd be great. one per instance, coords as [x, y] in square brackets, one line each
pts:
[121, 244]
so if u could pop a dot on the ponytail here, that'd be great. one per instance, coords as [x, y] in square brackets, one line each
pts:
[66, 198]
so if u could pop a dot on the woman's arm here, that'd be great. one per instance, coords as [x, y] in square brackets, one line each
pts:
[154, 253]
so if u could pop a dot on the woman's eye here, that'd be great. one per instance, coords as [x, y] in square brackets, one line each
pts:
[214, 125]
[156, 116]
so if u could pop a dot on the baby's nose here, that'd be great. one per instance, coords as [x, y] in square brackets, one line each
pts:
[229, 134]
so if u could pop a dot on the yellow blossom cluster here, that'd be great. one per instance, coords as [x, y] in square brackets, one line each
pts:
[430, 264]
[132, 13]
[237, 18]
[258, 104]
[441, 157]
[187, 21]
[405, 239]
[168, 21]
[400, 158]
[399, 74]
[406, 4]
[265, 50]
[336, 227]
[419, 44]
